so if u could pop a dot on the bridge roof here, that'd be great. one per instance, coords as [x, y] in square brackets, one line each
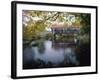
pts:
[60, 25]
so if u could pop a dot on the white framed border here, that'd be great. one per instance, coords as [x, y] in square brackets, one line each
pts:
[54, 71]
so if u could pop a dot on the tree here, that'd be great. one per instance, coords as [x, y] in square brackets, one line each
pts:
[36, 22]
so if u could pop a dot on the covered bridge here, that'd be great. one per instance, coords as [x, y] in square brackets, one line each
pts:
[59, 28]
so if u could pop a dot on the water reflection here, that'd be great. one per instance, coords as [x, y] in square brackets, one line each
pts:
[47, 54]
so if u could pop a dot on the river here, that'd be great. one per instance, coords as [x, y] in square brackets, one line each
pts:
[49, 54]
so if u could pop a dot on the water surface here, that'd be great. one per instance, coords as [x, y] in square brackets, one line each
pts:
[50, 54]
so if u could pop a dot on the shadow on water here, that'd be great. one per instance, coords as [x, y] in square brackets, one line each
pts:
[49, 54]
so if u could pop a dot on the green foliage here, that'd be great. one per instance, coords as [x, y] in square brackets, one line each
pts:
[31, 31]
[85, 29]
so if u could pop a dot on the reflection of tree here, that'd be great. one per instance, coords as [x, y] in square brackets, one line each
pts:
[84, 54]
[41, 47]
[70, 57]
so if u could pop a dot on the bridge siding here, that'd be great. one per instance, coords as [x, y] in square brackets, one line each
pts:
[68, 31]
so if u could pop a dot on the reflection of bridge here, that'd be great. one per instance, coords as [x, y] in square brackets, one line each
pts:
[58, 45]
